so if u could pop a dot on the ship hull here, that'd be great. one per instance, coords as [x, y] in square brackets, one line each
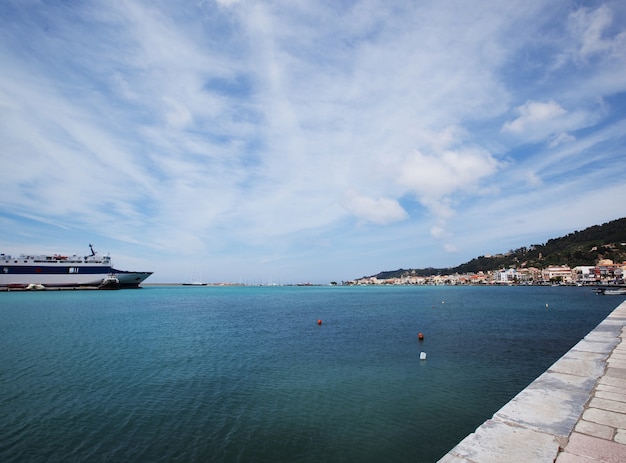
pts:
[130, 279]
[17, 278]
[60, 277]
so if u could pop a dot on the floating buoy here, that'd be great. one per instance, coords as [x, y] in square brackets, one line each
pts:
[422, 355]
[319, 322]
[420, 336]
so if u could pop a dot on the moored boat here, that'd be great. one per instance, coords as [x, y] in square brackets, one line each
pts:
[621, 291]
[110, 282]
[64, 271]
[615, 292]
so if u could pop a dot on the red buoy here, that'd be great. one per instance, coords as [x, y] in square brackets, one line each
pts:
[420, 336]
[319, 322]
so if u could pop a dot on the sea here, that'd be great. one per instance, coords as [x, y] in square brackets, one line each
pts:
[275, 373]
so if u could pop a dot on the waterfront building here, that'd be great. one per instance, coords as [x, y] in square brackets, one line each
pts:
[561, 273]
[584, 274]
[505, 276]
[606, 271]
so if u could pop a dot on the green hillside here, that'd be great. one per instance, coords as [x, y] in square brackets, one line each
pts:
[586, 247]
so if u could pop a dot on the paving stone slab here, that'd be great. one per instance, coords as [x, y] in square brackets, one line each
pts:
[552, 403]
[613, 363]
[565, 457]
[604, 345]
[608, 418]
[617, 382]
[617, 396]
[583, 355]
[601, 387]
[599, 449]
[616, 373]
[607, 404]
[605, 331]
[496, 442]
[608, 325]
[579, 367]
[594, 429]
[449, 458]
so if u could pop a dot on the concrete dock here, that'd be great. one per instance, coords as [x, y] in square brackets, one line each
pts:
[575, 412]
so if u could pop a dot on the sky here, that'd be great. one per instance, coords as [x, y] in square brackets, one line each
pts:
[307, 141]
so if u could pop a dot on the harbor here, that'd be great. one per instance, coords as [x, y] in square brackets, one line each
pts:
[249, 374]
[574, 412]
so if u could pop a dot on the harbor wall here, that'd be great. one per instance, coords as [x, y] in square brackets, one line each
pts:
[535, 426]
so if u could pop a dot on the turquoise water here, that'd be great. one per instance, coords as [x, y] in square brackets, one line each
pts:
[246, 374]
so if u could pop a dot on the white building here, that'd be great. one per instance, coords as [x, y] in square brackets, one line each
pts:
[505, 276]
[584, 274]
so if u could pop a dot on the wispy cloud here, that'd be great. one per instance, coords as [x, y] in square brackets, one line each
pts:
[252, 138]
[540, 120]
[591, 28]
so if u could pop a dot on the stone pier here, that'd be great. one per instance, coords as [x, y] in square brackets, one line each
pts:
[575, 412]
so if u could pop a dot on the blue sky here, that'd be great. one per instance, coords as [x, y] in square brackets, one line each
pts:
[291, 141]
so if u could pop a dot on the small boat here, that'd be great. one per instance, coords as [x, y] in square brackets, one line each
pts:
[110, 282]
[615, 292]
[35, 287]
[611, 291]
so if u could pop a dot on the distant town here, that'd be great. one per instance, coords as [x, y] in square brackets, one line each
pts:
[605, 272]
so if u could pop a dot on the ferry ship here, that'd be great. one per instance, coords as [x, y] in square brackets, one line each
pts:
[64, 271]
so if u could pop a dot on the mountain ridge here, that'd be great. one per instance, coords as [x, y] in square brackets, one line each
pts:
[579, 248]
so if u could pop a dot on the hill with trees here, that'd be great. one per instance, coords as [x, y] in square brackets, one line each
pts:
[586, 247]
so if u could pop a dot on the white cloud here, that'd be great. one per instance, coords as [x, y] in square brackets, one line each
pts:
[534, 114]
[432, 176]
[540, 120]
[379, 210]
[227, 2]
[439, 232]
[592, 53]
[591, 30]
[450, 248]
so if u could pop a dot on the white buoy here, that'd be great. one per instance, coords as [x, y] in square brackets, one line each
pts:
[422, 355]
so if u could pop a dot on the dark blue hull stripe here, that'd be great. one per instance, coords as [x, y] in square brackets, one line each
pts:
[56, 270]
